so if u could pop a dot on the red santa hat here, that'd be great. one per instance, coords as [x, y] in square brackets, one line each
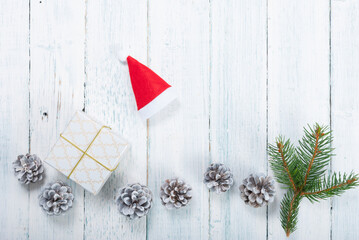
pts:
[152, 93]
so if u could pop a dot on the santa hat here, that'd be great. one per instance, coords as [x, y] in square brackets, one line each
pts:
[152, 93]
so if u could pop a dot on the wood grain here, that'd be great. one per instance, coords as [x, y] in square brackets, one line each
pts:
[238, 112]
[111, 27]
[56, 91]
[178, 135]
[298, 93]
[14, 120]
[345, 112]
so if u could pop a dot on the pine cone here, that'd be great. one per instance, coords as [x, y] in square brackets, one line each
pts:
[56, 198]
[175, 193]
[257, 190]
[28, 168]
[134, 200]
[218, 178]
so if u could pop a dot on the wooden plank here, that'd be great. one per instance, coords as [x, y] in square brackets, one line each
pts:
[178, 135]
[238, 112]
[112, 26]
[345, 109]
[298, 93]
[57, 30]
[14, 120]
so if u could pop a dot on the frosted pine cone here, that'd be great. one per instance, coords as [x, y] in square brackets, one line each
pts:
[134, 200]
[257, 190]
[28, 168]
[175, 193]
[218, 177]
[56, 198]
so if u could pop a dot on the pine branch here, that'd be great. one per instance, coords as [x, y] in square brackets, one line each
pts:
[302, 170]
[333, 185]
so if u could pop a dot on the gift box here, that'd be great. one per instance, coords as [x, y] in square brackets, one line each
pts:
[87, 152]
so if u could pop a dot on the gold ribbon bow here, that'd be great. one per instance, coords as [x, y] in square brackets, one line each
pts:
[85, 152]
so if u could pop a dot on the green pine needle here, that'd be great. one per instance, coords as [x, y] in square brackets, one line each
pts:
[333, 185]
[302, 171]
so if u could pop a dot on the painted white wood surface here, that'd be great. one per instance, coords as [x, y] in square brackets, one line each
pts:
[245, 71]
[56, 91]
[178, 137]
[345, 111]
[14, 112]
[298, 93]
[110, 27]
[238, 112]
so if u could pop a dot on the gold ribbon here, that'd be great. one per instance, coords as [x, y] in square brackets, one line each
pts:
[85, 152]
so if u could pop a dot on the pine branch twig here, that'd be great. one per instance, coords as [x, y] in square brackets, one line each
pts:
[333, 185]
[284, 163]
[348, 182]
[280, 150]
[289, 211]
[317, 132]
[290, 214]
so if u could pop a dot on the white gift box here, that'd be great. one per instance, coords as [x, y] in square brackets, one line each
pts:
[87, 152]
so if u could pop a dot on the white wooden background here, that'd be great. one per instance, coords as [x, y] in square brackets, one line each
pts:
[245, 71]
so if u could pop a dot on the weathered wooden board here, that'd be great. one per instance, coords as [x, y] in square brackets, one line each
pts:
[345, 111]
[111, 27]
[178, 136]
[238, 112]
[298, 93]
[57, 38]
[14, 116]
